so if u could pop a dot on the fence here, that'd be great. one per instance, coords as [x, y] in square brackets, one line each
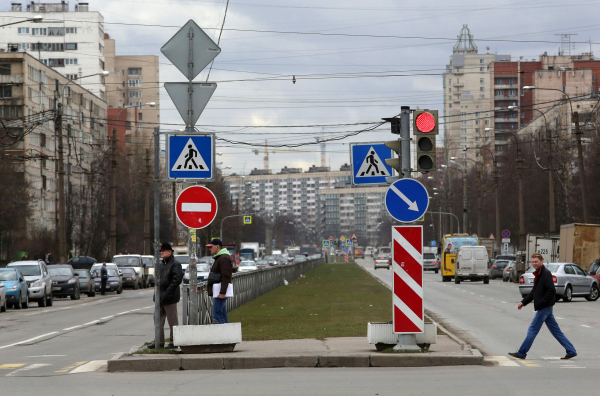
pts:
[246, 287]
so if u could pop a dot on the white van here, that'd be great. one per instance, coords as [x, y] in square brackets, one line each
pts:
[472, 263]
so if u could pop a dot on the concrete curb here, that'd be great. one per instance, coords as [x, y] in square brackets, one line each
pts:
[147, 363]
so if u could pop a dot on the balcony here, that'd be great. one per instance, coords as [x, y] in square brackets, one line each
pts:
[506, 86]
[16, 78]
[503, 120]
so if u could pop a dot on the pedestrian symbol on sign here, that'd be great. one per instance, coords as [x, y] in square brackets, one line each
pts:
[189, 159]
[247, 219]
[372, 165]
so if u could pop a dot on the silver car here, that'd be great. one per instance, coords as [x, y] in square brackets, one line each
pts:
[570, 281]
[38, 280]
[431, 262]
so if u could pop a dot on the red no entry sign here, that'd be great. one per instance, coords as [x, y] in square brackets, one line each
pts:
[196, 207]
[330, 239]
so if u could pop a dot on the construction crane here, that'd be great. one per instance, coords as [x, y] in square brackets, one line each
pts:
[267, 150]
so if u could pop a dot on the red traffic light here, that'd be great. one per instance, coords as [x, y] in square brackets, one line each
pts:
[425, 122]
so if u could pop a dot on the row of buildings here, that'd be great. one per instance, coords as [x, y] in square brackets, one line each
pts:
[64, 59]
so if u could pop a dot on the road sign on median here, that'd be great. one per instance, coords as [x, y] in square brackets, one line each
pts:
[191, 157]
[368, 163]
[407, 200]
[325, 242]
[196, 207]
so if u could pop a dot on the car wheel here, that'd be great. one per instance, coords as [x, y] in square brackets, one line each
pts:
[388, 267]
[568, 296]
[26, 303]
[4, 307]
[593, 296]
[43, 302]
[76, 295]
[50, 300]
[120, 290]
[486, 281]
[136, 286]
[435, 271]
[375, 268]
[457, 280]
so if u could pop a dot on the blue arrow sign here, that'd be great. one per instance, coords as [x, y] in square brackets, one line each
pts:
[191, 157]
[368, 163]
[407, 200]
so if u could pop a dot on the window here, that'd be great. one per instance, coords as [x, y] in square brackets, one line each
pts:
[481, 69]
[487, 122]
[523, 115]
[463, 114]
[135, 83]
[140, 116]
[481, 80]
[42, 140]
[135, 71]
[512, 92]
[522, 93]
[463, 139]
[463, 123]
[463, 131]
[4, 69]
[71, 30]
[38, 31]
[70, 61]
[70, 46]
[482, 96]
[499, 92]
[24, 46]
[56, 62]
[476, 114]
[449, 89]
[481, 89]
[480, 60]
[55, 47]
[135, 94]
[477, 139]
[137, 104]
[23, 30]
[476, 122]
[72, 76]
[44, 182]
[5, 91]
[464, 146]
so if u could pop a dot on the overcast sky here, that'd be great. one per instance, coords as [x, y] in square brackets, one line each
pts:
[327, 98]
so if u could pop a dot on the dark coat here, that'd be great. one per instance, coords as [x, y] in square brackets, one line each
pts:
[543, 294]
[222, 266]
[103, 273]
[171, 276]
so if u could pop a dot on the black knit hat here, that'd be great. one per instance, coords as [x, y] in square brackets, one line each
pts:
[166, 246]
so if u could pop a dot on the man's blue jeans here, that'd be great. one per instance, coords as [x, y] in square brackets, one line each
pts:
[220, 310]
[545, 316]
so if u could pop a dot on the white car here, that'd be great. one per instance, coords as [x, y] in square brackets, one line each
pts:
[39, 282]
[247, 266]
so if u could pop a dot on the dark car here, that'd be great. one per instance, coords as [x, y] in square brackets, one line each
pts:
[82, 262]
[15, 285]
[113, 283]
[64, 281]
[497, 270]
[130, 278]
[86, 282]
[262, 264]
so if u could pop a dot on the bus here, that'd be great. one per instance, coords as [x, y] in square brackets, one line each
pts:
[450, 245]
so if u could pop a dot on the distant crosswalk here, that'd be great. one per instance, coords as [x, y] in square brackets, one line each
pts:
[27, 369]
[552, 361]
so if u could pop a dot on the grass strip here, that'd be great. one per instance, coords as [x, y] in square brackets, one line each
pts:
[331, 300]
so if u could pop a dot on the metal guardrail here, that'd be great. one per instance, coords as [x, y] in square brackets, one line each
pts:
[246, 287]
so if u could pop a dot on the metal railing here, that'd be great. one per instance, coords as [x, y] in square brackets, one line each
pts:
[246, 287]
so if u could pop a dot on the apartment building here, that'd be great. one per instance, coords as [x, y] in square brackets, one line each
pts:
[132, 82]
[29, 91]
[323, 201]
[68, 41]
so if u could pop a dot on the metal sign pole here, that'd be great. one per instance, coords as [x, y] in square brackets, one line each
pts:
[405, 138]
[157, 238]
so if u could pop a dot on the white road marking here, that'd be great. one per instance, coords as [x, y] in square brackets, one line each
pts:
[472, 293]
[503, 302]
[502, 361]
[107, 317]
[556, 317]
[48, 311]
[92, 322]
[90, 366]
[71, 328]
[123, 313]
[481, 295]
[151, 306]
[31, 367]
[47, 356]
[551, 358]
[29, 340]
[589, 327]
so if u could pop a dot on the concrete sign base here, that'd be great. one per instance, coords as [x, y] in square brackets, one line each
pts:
[207, 338]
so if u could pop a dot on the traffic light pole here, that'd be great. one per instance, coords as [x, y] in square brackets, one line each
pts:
[405, 140]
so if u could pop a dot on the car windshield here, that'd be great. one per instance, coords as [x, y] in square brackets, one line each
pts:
[8, 275]
[200, 268]
[82, 275]
[429, 256]
[128, 271]
[127, 261]
[112, 273]
[183, 259]
[247, 264]
[148, 261]
[385, 250]
[501, 263]
[270, 258]
[60, 271]
[30, 270]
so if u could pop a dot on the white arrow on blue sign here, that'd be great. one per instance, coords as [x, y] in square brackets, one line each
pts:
[407, 200]
[368, 163]
[191, 157]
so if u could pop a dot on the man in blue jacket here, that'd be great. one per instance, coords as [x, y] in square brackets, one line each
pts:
[543, 296]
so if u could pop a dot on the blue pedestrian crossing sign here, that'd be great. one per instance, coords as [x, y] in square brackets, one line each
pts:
[247, 219]
[407, 200]
[348, 242]
[191, 157]
[326, 243]
[368, 163]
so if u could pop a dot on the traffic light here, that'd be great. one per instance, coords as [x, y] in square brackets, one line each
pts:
[425, 131]
[396, 146]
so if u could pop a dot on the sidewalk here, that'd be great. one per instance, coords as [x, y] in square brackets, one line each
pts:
[331, 352]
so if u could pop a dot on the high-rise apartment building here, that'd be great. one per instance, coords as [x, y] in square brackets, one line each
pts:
[70, 42]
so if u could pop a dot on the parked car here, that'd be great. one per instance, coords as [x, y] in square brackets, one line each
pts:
[95, 270]
[39, 282]
[383, 260]
[202, 271]
[136, 262]
[299, 258]
[472, 263]
[3, 300]
[368, 251]
[497, 270]
[86, 282]
[183, 259]
[262, 264]
[114, 281]
[248, 265]
[81, 262]
[15, 285]
[64, 281]
[570, 281]
[594, 270]
[131, 278]
[431, 262]
[506, 273]
[149, 261]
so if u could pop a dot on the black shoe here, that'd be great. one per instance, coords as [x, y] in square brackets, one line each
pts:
[170, 346]
[516, 355]
[152, 346]
[567, 357]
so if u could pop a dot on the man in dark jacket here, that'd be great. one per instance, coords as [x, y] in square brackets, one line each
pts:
[103, 279]
[224, 268]
[543, 296]
[171, 276]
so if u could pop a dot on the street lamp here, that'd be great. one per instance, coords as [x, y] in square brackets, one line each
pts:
[464, 175]
[35, 19]
[575, 119]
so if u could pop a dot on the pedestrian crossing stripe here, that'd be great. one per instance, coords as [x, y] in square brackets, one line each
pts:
[190, 159]
[9, 366]
[372, 165]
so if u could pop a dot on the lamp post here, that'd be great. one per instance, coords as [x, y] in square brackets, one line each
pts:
[35, 19]
[575, 118]
[464, 175]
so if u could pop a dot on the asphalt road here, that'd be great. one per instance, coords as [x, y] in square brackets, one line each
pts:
[487, 317]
